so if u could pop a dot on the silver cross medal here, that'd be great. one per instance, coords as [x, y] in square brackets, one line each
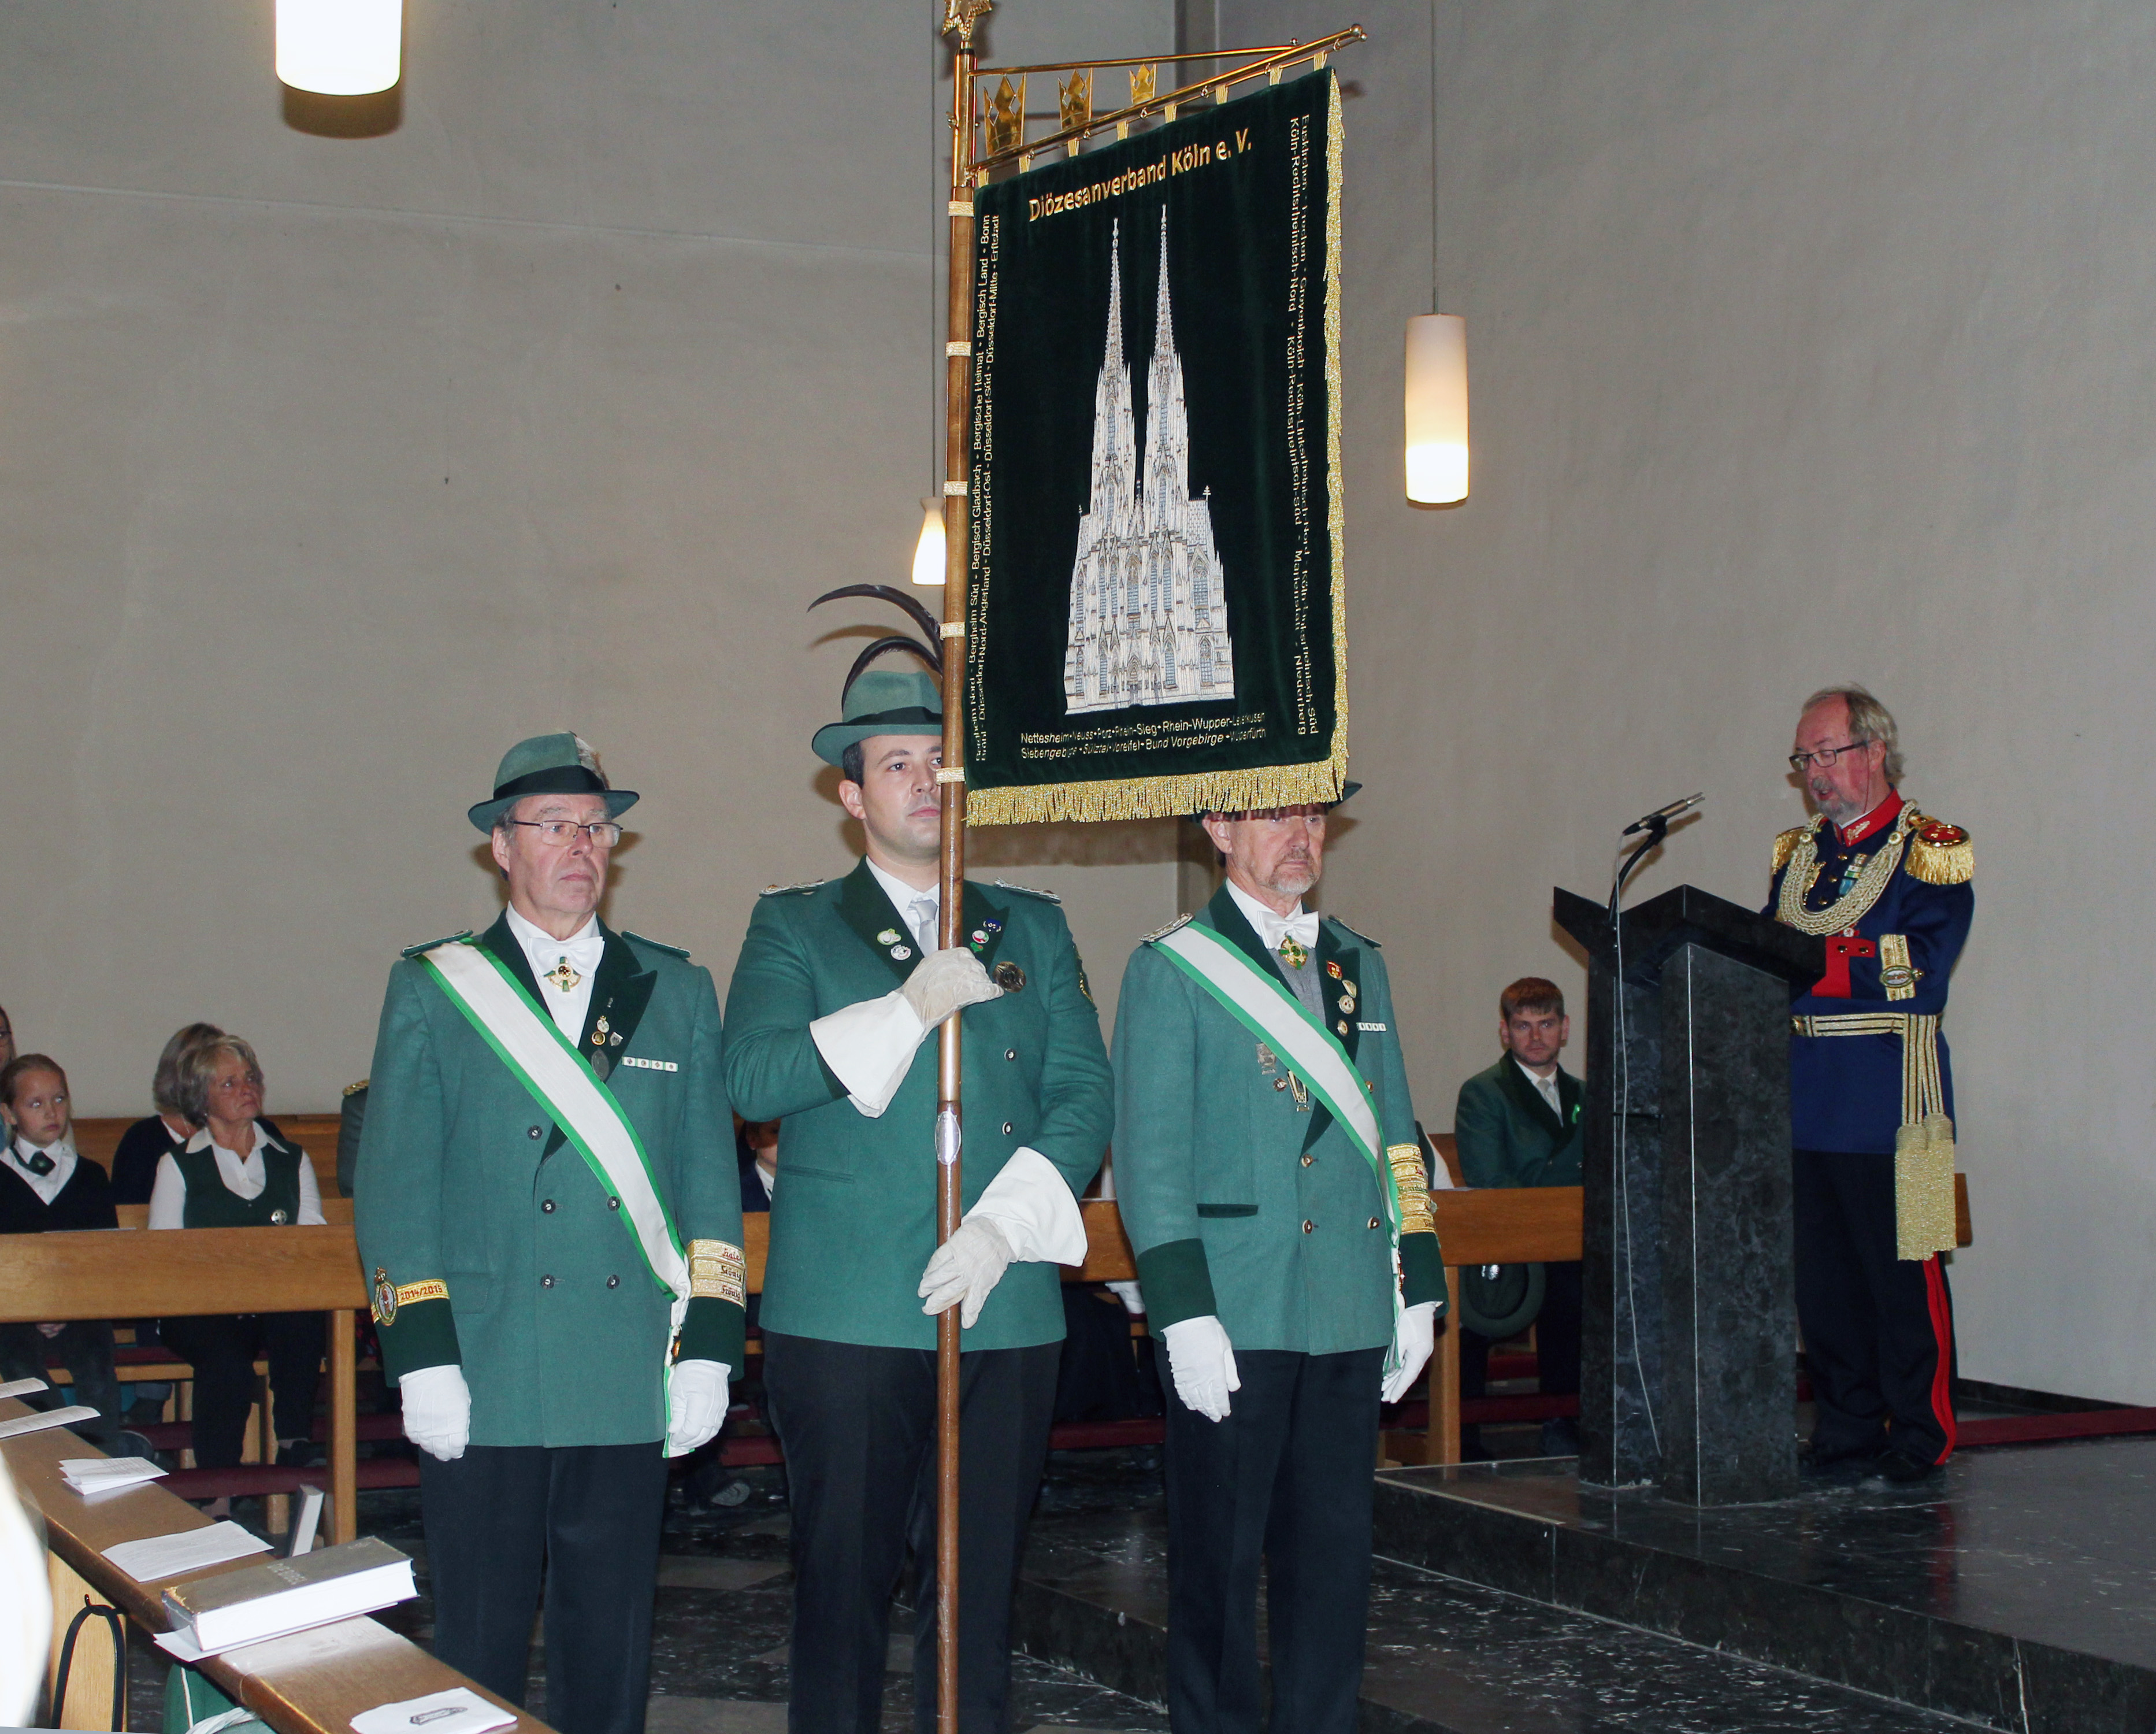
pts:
[563, 976]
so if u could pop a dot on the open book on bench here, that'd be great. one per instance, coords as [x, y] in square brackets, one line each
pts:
[290, 1595]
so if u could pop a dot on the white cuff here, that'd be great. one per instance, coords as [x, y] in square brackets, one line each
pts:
[870, 1044]
[1034, 1206]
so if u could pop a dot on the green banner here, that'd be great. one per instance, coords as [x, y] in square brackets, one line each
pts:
[1155, 623]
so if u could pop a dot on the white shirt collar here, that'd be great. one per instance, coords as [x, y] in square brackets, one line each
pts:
[203, 1140]
[902, 894]
[1269, 926]
[1547, 1085]
[47, 1186]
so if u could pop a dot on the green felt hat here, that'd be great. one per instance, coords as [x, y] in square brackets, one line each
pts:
[549, 764]
[882, 702]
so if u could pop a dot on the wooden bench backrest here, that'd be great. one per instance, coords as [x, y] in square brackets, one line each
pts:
[315, 1133]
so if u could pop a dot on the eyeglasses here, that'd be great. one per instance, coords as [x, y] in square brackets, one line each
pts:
[604, 832]
[1824, 757]
[243, 1081]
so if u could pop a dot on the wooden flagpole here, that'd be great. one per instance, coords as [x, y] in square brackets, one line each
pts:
[960, 16]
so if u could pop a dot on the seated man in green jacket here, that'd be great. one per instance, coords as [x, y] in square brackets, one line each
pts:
[1519, 1125]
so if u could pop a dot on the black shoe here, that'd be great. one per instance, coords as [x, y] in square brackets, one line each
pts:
[299, 1454]
[133, 1444]
[1853, 1463]
[1905, 1469]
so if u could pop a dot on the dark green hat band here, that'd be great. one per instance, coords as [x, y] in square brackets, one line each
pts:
[886, 720]
[555, 779]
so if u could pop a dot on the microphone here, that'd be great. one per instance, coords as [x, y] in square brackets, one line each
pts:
[1664, 814]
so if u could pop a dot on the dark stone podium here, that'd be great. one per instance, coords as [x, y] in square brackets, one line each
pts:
[1689, 1325]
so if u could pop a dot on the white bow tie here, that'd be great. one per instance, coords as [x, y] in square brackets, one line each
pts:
[1302, 928]
[583, 955]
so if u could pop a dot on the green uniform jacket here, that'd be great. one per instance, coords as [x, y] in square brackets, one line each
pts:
[1238, 1202]
[1508, 1137]
[464, 1180]
[853, 1216]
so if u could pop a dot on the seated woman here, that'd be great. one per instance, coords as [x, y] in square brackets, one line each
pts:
[234, 1174]
[165, 1133]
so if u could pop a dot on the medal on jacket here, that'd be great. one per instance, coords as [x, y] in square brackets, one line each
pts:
[1294, 950]
[563, 976]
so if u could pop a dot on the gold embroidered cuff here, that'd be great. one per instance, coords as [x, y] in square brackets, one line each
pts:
[717, 1271]
[388, 1296]
[1411, 1180]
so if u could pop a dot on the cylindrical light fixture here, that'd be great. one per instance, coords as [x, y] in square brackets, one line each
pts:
[1437, 409]
[928, 552]
[340, 48]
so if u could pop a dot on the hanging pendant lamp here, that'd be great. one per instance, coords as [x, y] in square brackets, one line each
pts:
[340, 48]
[928, 552]
[1437, 409]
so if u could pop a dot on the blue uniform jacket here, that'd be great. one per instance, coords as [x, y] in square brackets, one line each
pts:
[1845, 1091]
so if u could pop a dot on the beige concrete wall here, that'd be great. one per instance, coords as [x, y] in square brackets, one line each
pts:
[1809, 342]
[330, 466]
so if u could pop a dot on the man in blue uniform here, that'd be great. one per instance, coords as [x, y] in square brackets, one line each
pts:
[1871, 1091]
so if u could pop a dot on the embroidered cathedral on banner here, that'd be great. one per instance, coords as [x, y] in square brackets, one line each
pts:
[1154, 620]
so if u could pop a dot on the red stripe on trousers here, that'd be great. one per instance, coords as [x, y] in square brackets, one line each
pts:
[1935, 1294]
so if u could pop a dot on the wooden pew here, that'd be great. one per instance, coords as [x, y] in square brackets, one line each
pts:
[186, 1271]
[312, 1683]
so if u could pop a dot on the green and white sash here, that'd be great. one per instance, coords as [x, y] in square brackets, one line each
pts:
[568, 1090]
[1257, 999]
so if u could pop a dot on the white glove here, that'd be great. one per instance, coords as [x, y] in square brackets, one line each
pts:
[695, 1404]
[1412, 1340]
[945, 980]
[965, 1268]
[437, 1410]
[1131, 1296]
[1202, 1361]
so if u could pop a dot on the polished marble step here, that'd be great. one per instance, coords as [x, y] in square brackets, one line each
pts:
[1444, 1657]
[2019, 1593]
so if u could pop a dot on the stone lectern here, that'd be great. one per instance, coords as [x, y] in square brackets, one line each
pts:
[1689, 1322]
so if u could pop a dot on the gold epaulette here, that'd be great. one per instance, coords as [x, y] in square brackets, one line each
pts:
[1785, 845]
[1940, 854]
[1162, 933]
[353, 1089]
[1046, 897]
[805, 885]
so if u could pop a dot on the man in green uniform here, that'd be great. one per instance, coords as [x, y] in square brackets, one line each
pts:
[1518, 1124]
[1267, 1165]
[548, 1215]
[839, 986]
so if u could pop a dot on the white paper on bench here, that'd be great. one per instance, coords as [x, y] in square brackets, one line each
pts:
[458, 1710]
[48, 1418]
[22, 1387]
[97, 1475]
[153, 1557]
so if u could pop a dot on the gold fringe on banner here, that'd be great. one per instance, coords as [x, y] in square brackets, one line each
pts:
[1261, 786]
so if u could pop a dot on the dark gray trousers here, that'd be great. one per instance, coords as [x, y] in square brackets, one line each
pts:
[582, 1521]
[1286, 1481]
[858, 1426]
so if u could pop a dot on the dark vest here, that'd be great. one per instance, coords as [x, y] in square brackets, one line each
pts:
[212, 1204]
[85, 1202]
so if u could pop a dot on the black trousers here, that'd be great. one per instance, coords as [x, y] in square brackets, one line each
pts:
[1557, 1347]
[1285, 1478]
[222, 1351]
[85, 1349]
[858, 1426]
[1878, 1329]
[584, 1521]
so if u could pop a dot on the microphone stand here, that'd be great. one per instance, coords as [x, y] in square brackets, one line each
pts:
[1658, 828]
